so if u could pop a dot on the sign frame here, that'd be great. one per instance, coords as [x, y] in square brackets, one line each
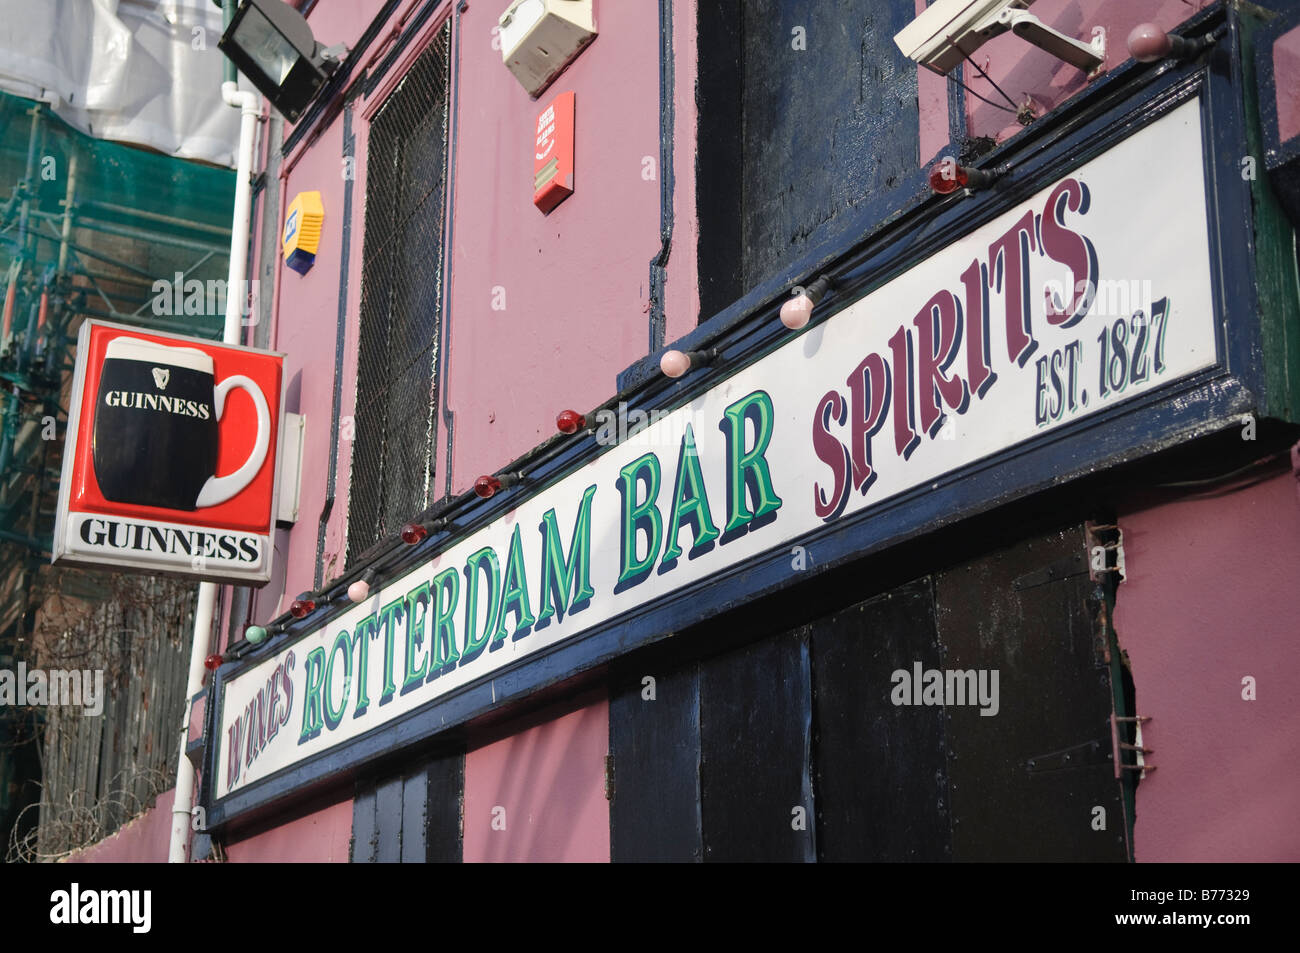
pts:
[60, 554]
[1169, 414]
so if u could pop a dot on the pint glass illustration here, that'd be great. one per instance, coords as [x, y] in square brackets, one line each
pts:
[157, 427]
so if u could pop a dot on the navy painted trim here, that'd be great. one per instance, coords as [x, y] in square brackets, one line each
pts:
[444, 330]
[421, 17]
[667, 121]
[338, 82]
[340, 338]
[1162, 418]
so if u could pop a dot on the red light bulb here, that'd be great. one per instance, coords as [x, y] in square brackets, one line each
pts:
[303, 606]
[486, 487]
[212, 662]
[412, 533]
[947, 177]
[570, 422]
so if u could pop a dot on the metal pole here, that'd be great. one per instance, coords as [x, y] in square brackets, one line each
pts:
[155, 217]
[250, 112]
[70, 199]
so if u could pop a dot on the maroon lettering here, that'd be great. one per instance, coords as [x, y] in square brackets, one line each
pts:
[938, 338]
[906, 439]
[1072, 249]
[1009, 275]
[833, 453]
[233, 738]
[869, 390]
[979, 368]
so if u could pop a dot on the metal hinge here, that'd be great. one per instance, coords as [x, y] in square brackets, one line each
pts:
[1105, 551]
[1139, 751]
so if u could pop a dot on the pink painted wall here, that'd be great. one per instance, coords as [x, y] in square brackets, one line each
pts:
[145, 840]
[1024, 71]
[575, 282]
[550, 779]
[1209, 598]
[303, 329]
[1286, 70]
[321, 837]
[682, 292]
[932, 95]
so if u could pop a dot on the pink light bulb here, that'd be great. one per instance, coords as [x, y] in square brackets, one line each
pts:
[359, 591]
[674, 363]
[1148, 43]
[797, 312]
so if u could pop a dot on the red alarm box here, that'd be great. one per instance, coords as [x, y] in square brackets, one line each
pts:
[553, 154]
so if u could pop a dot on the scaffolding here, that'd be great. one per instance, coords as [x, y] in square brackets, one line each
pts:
[89, 229]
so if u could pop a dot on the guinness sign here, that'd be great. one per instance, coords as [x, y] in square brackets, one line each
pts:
[171, 455]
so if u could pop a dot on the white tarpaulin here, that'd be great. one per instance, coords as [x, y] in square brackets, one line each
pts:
[145, 72]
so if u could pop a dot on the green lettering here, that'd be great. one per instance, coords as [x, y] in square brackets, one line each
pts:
[690, 501]
[445, 655]
[748, 471]
[482, 563]
[514, 597]
[313, 677]
[333, 714]
[638, 518]
[417, 598]
[361, 636]
[561, 578]
[386, 625]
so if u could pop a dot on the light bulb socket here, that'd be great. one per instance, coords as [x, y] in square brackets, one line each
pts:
[1148, 43]
[818, 289]
[677, 364]
[413, 533]
[490, 484]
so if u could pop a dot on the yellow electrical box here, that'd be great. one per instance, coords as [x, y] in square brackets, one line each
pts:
[302, 228]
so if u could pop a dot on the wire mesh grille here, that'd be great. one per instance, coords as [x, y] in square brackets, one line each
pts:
[401, 294]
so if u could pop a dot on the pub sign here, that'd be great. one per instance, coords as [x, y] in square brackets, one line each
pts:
[171, 456]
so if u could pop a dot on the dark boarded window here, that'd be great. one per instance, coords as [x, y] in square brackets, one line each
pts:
[807, 111]
[401, 293]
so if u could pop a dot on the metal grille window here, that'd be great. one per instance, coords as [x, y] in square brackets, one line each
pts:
[401, 294]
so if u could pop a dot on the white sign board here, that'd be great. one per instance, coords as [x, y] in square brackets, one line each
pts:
[1092, 292]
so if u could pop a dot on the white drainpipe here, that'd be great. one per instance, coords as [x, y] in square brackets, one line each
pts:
[250, 109]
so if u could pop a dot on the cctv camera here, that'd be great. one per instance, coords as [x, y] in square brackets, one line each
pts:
[951, 30]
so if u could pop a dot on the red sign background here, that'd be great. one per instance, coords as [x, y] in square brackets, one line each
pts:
[250, 510]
